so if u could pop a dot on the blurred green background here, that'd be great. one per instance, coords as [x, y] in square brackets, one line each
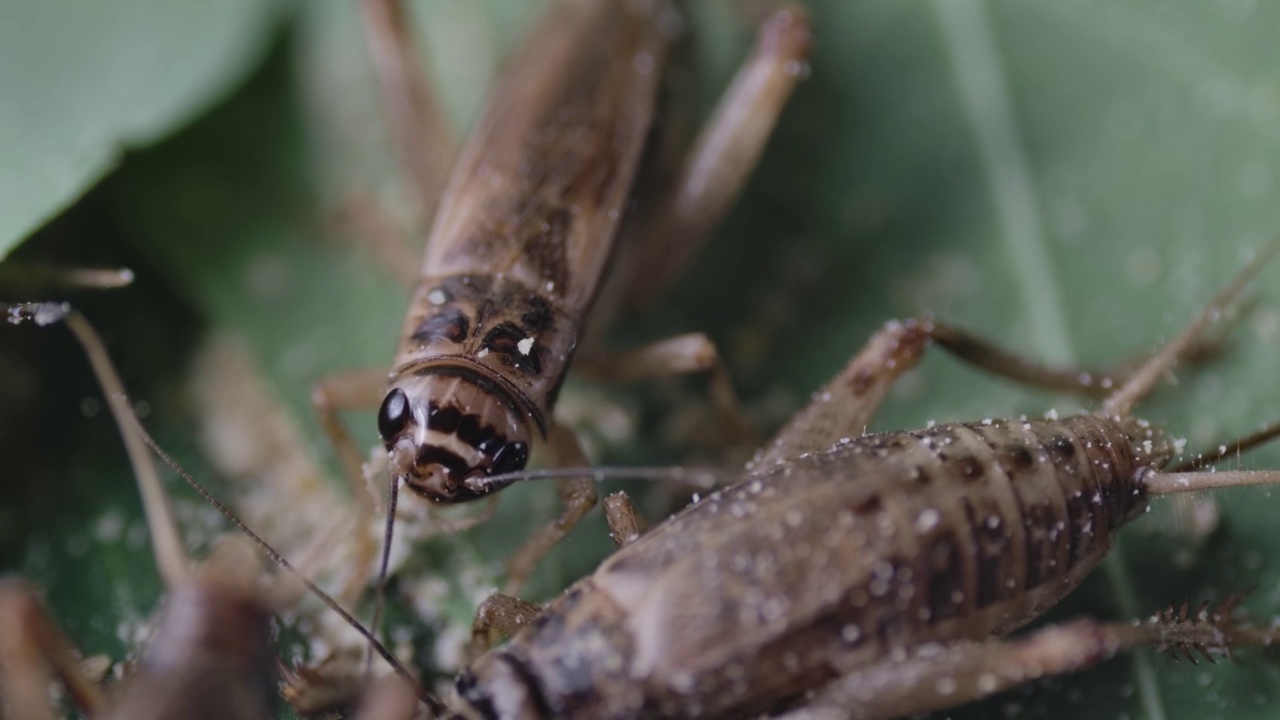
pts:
[1071, 177]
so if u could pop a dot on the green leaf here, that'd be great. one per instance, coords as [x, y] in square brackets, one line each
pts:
[83, 81]
[1072, 179]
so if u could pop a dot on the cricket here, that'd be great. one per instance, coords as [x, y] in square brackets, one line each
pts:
[569, 170]
[952, 537]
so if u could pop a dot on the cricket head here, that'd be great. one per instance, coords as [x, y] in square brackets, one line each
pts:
[447, 433]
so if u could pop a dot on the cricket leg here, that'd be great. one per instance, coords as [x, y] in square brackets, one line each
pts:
[497, 617]
[388, 698]
[503, 614]
[418, 131]
[722, 157]
[578, 495]
[673, 357]
[625, 523]
[351, 390]
[33, 649]
[364, 222]
[417, 122]
[847, 403]
[933, 679]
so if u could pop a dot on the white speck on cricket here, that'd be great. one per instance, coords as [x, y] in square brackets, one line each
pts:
[525, 346]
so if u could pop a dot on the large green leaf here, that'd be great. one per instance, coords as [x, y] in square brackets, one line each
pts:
[1073, 179]
[82, 81]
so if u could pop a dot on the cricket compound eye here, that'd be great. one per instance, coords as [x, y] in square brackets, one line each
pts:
[510, 458]
[393, 416]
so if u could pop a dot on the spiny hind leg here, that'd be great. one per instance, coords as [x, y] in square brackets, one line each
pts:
[845, 406]
[934, 678]
[711, 178]
[578, 495]
[33, 650]
[420, 135]
[417, 123]
[721, 158]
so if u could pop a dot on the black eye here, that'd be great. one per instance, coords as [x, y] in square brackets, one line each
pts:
[511, 458]
[394, 415]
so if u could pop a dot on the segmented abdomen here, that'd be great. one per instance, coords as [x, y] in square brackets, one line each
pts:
[888, 541]
[1006, 516]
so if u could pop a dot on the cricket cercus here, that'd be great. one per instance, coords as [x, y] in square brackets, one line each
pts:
[567, 174]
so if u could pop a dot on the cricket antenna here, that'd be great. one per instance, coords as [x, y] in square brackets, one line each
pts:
[699, 478]
[380, 593]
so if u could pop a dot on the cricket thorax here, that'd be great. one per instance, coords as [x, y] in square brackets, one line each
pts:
[476, 377]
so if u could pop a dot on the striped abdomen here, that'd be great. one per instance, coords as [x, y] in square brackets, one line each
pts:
[830, 561]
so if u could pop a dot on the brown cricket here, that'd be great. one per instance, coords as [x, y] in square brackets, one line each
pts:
[211, 655]
[563, 177]
[868, 576]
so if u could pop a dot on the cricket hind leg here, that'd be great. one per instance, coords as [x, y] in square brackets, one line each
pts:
[419, 133]
[937, 677]
[710, 179]
[721, 158]
[417, 122]
[845, 406]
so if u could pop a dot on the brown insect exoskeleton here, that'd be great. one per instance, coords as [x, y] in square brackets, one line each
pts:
[210, 656]
[540, 203]
[869, 576]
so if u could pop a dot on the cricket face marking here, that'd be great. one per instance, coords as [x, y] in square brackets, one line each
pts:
[461, 428]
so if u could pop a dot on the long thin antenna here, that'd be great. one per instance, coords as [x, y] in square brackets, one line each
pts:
[393, 494]
[171, 560]
[701, 478]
